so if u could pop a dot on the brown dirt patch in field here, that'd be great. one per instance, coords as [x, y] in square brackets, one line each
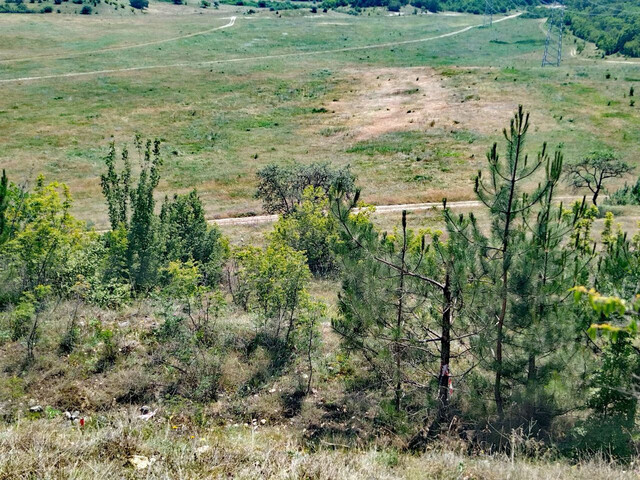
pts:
[399, 99]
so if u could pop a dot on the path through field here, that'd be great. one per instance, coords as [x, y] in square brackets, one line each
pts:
[410, 207]
[249, 59]
[232, 21]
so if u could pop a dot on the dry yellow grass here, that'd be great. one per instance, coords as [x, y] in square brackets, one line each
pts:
[111, 447]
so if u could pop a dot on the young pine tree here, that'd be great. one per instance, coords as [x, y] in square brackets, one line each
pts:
[399, 294]
[510, 208]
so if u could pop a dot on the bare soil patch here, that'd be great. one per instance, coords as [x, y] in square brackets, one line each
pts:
[399, 99]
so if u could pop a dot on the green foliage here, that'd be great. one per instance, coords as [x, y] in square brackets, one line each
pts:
[281, 189]
[108, 351]
[308, 336]
[4, 205]
[311, 230]
[190, 346]
[523, 263]
[611, 428]
[26, 319]
[116, 188]
[23, 313]
[592, 171]
[397, 304]
[140, 242]
[45, 238]
[272, 283]
[185, 235]
[377, 312]
[139, 4]
[627, 195]
[613, 25]
[142, 248]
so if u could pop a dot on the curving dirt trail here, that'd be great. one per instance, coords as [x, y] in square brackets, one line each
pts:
[410, 207]
[248, 59]
[232, 21]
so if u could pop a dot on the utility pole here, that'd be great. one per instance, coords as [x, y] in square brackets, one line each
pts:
[553, 46]
[487, 21]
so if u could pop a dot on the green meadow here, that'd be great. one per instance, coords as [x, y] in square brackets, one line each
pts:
[411, 113]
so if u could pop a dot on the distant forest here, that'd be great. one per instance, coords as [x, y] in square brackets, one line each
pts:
[613, 25]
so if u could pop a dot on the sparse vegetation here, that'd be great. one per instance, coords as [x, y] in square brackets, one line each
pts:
[494, 337]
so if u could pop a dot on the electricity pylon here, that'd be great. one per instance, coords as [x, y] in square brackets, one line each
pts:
[487, 21]
[553, 45]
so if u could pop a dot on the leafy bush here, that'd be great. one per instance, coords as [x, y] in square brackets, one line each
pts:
[139, 4]
[310, 229]
[609, 429]
[86, 10]
[281, 188]
[185, 235]
[44, 239]
[188, 335]
[271, 283]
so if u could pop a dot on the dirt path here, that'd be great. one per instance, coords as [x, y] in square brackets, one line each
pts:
[624, 62]
[232, 21]
[249, 59]
[410, 207]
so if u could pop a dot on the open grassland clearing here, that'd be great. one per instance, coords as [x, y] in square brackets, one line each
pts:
[414, 120]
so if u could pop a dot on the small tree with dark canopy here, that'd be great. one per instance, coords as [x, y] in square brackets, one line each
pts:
[185, 236]
[4, 204]
[281, 188]
[592, 171]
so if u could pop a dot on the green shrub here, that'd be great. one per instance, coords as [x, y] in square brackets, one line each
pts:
[272, 284]
[86, 10]
[627, 195]
[185, 235]
[281, 188]
[310, 229]
[188, 336]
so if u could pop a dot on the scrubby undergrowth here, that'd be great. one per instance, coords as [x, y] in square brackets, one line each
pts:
[119, 446]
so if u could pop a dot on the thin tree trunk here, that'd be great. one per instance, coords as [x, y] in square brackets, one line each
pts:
[312, 324]
[445, 353]
[419, 441]
[497, 388]
[399, 318]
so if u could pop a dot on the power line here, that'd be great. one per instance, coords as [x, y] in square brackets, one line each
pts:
[553, 45]
[487, 20]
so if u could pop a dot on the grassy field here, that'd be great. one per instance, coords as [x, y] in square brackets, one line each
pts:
[413, 119]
